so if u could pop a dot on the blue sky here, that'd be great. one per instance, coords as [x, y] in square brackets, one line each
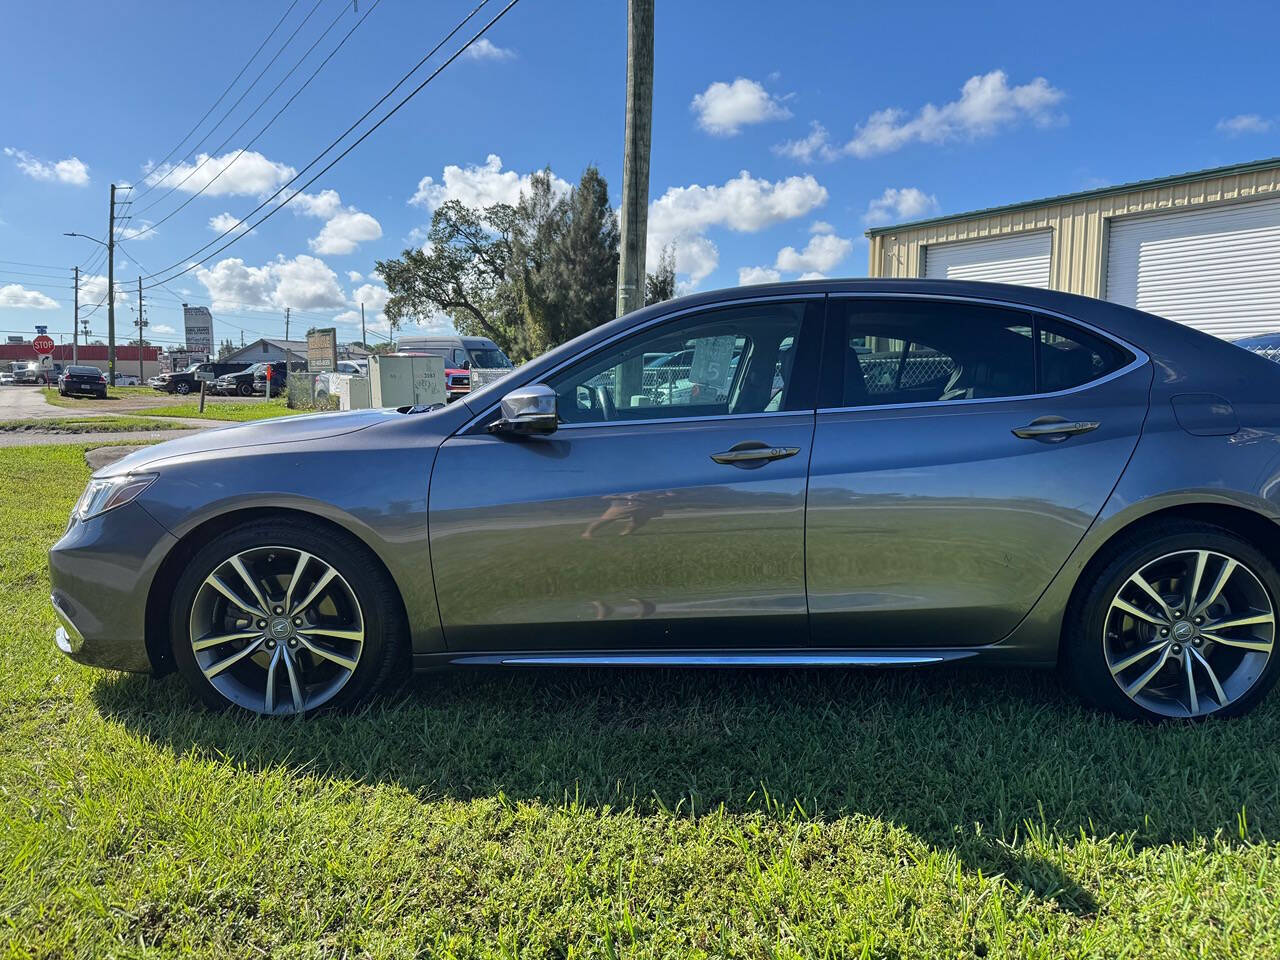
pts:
[780, 132]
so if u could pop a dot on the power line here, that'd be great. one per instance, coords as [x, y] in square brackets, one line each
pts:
[268, 124]
[270, 63]
[234, 81]
[192, 265]
[42, 266]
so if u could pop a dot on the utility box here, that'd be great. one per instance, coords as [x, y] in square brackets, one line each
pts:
[406, 381]
[353, 392]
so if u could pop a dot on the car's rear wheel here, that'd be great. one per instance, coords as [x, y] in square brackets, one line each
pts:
[284, 618]
[1180, 622]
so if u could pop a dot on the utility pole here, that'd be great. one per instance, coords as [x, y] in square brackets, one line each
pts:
[286, 326]
[364, 344]
[111, 290]
[635, 164]
[75, 323]
[141, 324]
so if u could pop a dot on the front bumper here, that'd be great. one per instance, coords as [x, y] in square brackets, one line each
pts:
[101, 573]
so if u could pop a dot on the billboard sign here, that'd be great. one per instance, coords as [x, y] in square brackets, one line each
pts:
[322, 350]
[198, 325]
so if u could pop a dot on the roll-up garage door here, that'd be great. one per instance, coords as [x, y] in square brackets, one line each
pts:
[1019, 258]
[1216, 269]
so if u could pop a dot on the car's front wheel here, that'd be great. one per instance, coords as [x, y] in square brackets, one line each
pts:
[284, 618]
[245, 390]
[1179, 622]
[183, 388]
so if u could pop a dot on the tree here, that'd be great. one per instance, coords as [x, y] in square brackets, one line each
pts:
[226, 348]
[528, 276]
[661, 284]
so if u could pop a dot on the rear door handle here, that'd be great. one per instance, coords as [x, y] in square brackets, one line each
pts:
[753, 453]
[1054, 428]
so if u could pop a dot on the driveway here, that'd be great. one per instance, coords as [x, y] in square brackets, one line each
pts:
[28, 403]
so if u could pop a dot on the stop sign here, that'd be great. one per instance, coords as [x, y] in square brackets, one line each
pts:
[43, 344]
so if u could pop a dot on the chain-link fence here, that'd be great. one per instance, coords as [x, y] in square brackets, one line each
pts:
[881, 373]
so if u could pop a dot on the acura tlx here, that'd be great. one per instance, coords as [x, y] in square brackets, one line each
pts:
[817, 474]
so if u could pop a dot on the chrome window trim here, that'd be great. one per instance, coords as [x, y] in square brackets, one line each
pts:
[1140, 357]
[664, 318]
[702, 419]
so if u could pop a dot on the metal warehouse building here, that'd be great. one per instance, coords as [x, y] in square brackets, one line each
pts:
[1200, 248]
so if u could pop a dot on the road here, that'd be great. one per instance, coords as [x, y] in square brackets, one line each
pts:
[28, 403]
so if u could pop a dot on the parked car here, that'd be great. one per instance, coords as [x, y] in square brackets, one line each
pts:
[82, 380]
[33, 372]
[280, 371]
[461, 355]
[325, 383]
[184, 381]
[6, 378]
[1089, 487]
[238, 383]
[127, 380]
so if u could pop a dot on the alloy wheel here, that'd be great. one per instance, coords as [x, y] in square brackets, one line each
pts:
[1189, 633]
[276, 630]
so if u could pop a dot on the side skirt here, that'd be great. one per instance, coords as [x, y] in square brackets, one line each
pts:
[690, 658]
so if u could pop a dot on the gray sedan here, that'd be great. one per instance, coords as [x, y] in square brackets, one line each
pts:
[860, 473]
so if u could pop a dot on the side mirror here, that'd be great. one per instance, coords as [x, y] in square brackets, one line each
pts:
[528, 410]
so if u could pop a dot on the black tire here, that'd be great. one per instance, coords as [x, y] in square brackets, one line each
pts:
[384, 654]
[245, 390]
[183, 388]
[1083, 659]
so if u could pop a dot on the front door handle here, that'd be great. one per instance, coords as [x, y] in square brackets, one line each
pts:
[1054, 428]
[753, 453]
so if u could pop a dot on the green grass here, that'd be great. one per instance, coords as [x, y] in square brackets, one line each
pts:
[113, 393]
[646, 814]
[226, 410]
[86, 425]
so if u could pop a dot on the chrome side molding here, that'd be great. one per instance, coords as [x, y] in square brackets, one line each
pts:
[763, 658]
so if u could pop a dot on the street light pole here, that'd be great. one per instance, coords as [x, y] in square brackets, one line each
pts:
[141, 324]
[75, 322]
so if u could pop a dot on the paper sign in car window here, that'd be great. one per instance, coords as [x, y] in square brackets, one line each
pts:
[712, 364]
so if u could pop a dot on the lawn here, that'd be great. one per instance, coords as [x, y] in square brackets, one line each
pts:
[86, 425]
[644, 814]
[147, 401]
[225, 409]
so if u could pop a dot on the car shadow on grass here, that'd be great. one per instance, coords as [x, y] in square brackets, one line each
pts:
[972, 760]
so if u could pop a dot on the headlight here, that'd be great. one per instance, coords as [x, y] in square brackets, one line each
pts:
[108, 493]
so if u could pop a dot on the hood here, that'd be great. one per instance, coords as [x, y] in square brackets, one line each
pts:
[316, 426]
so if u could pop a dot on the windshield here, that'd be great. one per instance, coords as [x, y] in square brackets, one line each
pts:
[489, 359]
[192, 369]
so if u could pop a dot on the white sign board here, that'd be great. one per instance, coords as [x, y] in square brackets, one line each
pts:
[198, 324]
[712, 364]
[206, 375]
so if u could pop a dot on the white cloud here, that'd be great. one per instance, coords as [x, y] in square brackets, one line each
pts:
[227, 221]
[745, 204]
[162, 328]
[72, 170]
[1244, 123]
[93, 289]
[374, 296]
[821, 226]
[812, 275]
[725, 108]
[344, 232]
[16, 296]
[823, 252]
[303, 283]
[135, 231]
[986, 104]
[249, 174]
[747, 275]
[815, 145]
[899, 205]
[478, 185]
[484, 49]
[323, 204]
[355, 276]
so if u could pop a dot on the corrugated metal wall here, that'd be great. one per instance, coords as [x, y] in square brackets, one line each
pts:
[1079, 228]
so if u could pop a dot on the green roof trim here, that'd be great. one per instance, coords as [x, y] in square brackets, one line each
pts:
[1233, 169]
